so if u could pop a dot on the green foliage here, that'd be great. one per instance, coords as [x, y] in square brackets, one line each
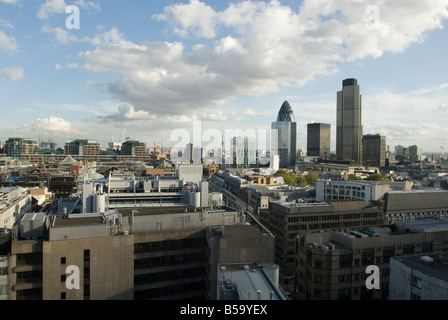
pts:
[297, 179]
[311, 179]
[353, 177]
[376, 177]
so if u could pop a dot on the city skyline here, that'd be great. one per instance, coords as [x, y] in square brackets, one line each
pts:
[144, 69]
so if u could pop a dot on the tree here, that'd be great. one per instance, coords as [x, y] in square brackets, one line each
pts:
[376, 177]
[311, 179]
[288, 177]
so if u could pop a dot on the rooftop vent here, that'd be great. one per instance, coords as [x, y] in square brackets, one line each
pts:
[426, 259]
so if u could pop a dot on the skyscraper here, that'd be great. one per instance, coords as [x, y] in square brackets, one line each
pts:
[287, 136]
[348, 122]
[318, 140]
[374, 150]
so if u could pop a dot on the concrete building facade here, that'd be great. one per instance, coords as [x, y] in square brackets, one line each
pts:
[287, 219]
[419, 277]
[331, 265]
[153, 253]
[415, 204]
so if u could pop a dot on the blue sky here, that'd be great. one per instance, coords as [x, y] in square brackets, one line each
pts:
[145, 68]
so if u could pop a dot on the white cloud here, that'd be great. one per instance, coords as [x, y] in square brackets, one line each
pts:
[111, 37]
[61, 36]
[266, 46]
[67, 66]
[52, 124]
[8, 44]
[12, 73]
[10, 1]
[127, 115]
[229, 115]
[51, 7]
[6, 24]
[195, 18]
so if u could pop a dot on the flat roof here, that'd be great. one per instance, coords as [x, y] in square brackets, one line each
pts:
[293, 204]
[144, 211]
[435, 265]
[427, 224]
[33, 216]
[250, 279]
[74, 219]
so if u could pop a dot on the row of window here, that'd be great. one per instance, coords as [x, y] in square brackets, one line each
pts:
[335, 217]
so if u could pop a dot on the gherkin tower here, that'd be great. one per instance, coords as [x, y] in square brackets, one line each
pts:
[287, 136]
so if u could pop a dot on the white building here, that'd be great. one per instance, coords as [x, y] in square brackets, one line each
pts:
[419, 277]
[4, 280]
[351, 190]
[13, 204]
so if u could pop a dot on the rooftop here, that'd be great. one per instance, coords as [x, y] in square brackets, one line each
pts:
[435, 265]
[249, 282]
[144, 211]
[426, 225]
[297, 203]
[77, 220]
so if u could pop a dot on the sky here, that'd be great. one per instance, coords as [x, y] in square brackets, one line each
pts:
[143, 69]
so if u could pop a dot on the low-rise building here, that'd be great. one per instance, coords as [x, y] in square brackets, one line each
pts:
[419, 277]
[357, 190]
[248, 282]
[14, 203]
[128, 253]
[332, 265]
[286, 219]
[415, 204]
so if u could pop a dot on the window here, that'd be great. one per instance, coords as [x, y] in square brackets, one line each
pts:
[3, 271]
[63, 260]
[408, 249]
[63, 295]
[344, 278]
[368, 257]
[344, 294]
[345, 260]
[388, 252]
[416, 282]
[63, 277]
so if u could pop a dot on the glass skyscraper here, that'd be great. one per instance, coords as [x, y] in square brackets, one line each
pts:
[348, 122]
[287, 136]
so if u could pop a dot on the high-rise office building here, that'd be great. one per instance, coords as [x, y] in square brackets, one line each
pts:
[318, 140]
[374, 150]
[287, 136]
[133, 148]
[348, 122]
[244, 152]
[88, 148]
[18, 147]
